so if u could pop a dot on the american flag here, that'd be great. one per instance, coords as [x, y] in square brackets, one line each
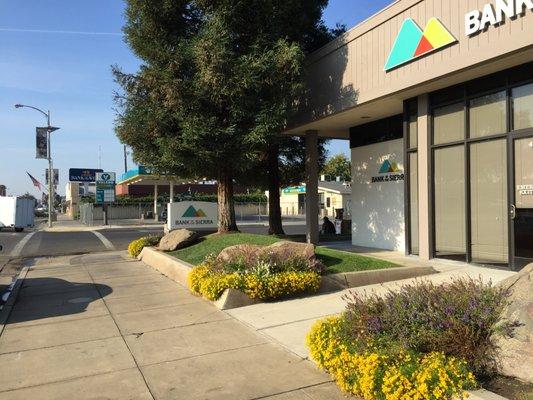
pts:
[35, 182]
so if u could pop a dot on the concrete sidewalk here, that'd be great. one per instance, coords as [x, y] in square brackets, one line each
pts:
[104, 327]
[288, 322]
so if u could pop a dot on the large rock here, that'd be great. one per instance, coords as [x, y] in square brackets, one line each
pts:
[516, 353]
[249, 254]
[177, 239]
[246, 253]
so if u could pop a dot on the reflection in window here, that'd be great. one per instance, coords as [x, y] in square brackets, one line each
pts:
[449, 124]
[523, 107]
[488, 115]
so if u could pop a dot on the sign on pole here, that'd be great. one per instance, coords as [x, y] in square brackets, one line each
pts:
[83, 174]
[41, 145]
[56, 177]
[192, 215]
[105, 187]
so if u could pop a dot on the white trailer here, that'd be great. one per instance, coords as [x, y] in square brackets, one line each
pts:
[16, 213]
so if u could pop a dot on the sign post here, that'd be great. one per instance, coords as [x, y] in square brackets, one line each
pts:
[105, 190]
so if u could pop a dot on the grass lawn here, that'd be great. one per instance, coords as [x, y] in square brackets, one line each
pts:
[336, 261]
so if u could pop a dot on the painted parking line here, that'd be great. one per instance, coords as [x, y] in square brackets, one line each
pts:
[20, 245]
[104, 240]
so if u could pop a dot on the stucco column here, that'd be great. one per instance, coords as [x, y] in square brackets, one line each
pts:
[423, 177]
[311, 186]
[155, 201]
[171, 191]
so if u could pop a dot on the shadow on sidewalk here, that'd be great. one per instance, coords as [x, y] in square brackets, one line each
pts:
[41, 298]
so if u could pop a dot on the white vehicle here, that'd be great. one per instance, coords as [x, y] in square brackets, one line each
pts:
[16, 213]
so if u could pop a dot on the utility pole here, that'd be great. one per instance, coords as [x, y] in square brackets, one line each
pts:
[49, 130]
[125, 159]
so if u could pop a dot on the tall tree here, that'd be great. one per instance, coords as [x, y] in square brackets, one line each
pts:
[218, 78]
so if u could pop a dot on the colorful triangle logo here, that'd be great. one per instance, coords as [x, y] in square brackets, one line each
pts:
[412, 42]
[192, 212]
[389, 168]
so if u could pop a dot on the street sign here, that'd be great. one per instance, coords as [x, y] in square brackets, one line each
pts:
[105, 187]
[83, 174]
[41, 143]
[56, 177]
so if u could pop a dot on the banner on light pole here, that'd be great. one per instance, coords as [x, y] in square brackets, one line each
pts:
[41, 148]
[56, 177]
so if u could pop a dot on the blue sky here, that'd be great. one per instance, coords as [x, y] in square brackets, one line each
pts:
[56, 55]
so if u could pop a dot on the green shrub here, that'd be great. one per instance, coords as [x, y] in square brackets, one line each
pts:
[136, 246]
[460, 318]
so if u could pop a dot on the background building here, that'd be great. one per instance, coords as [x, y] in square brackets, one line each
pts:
[2, 190]
[437, 102]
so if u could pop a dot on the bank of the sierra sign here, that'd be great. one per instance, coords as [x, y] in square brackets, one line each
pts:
[495, 14]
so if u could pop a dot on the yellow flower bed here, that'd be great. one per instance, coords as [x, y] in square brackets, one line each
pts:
[373, 374]
[135, 247]
[211, 285]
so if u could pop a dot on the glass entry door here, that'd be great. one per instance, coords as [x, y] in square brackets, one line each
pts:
[522, 201]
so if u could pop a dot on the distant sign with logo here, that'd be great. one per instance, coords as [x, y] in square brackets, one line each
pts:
[105, 187]
[294, 190]
[389, 172]
[83, 174]
[192, 215]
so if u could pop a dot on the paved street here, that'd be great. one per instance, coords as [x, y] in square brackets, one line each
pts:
[102, 326]
[43, 243]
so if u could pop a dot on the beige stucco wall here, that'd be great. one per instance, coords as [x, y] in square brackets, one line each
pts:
[349, 72]
[289, 204]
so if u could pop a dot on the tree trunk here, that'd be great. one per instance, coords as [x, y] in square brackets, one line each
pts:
[275, 226]
[226, 204]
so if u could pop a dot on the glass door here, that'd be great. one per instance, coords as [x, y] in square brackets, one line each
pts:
[521, 211]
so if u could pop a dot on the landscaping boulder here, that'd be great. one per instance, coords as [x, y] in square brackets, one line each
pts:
[250, 254]
[285, 250]
[177, 239]
[516, 353]
[247, 253]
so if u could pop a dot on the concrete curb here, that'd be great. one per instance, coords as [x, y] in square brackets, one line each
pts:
[346, 280]
[178, 271]
[483, 394]
[173, 268]
[9, 301]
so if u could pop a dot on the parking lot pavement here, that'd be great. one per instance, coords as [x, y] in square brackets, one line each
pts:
[105, 327]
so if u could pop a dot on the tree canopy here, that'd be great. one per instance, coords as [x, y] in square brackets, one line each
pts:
[338, 166]
[219, 80]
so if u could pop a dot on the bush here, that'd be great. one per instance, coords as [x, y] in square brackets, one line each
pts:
[255, 284]
[377, 374]
[460, 318]
[136, 246]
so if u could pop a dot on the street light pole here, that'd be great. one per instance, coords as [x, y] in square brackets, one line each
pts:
[49, 130]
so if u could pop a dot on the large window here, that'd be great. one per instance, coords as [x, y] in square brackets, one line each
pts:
[488, 115]
[488, 194]
[449, 187]
[449, 123]
[469, 149]
[522, 98]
